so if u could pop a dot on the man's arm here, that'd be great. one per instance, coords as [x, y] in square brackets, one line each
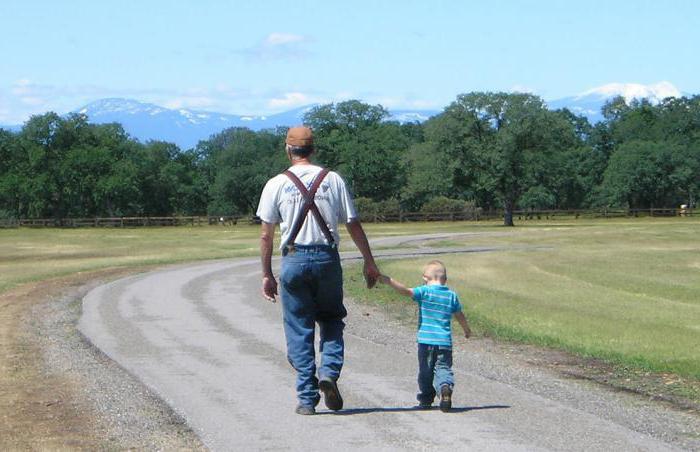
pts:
[462, 320]
[400, 288]
[269, 284]
[358, 235]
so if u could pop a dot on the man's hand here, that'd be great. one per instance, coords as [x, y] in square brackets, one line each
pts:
[269, 288]
[371, 273]
[467, 333]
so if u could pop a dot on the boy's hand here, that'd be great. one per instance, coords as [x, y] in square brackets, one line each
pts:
[384, 279]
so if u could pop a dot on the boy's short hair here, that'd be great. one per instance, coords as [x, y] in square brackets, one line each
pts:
[435, 270]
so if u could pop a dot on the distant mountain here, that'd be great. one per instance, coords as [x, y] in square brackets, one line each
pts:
[187, 127]
[589, 103]
[11, 128]
[182, 126]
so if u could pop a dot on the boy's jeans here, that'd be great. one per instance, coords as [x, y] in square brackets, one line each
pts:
[311, 288]
[434, 370]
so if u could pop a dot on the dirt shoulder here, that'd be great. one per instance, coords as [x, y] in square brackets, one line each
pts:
[58, 392]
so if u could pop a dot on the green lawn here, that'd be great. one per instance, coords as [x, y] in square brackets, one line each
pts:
[28, 254]
[624, 290]
[34, 254]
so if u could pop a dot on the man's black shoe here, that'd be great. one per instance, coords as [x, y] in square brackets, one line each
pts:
[331, 394]
[424, 406]
[305, 410]
[445, 398]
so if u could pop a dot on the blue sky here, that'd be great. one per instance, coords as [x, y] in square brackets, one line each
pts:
[269, 56]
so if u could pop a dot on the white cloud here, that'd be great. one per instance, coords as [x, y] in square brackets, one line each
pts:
[276, 39]
[522, 89]
[32, 101]
[289, 100]
[279, 46]
[408, 102]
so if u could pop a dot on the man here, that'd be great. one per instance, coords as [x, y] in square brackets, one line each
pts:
[309, 202]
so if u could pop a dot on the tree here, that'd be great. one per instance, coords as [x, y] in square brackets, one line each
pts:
[643, 174]
[355, 139]
[238, 163]
[504, 139]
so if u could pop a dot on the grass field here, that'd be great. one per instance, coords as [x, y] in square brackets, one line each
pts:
[627, 291]
[624, 290]
[34, 254]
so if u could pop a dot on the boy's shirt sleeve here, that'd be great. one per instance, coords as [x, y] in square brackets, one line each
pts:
[418, 293]
[456, 305]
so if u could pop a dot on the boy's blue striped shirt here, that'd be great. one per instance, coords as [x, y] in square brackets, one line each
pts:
[436, 304]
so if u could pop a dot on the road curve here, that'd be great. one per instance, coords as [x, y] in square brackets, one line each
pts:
[202, 338]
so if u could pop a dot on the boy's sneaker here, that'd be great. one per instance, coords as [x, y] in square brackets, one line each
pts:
[445, 398]
[305, 410]
[331, 394]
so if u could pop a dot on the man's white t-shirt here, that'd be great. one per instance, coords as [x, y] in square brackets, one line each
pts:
[281, 202]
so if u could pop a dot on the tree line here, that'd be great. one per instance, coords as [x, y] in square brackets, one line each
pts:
[491, 150]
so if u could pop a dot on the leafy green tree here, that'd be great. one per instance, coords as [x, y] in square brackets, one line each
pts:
[355, 139]
[238, 163]
[644, 174]
[501, 142]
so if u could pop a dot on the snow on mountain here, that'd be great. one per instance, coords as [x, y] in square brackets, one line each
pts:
[187, 127]
[590, 102]
[655, 92]
[405, 116]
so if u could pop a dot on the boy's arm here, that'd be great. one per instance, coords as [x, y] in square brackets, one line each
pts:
[463, 323]
[400, 288]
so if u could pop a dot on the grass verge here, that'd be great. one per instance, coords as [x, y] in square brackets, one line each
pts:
[621, 291]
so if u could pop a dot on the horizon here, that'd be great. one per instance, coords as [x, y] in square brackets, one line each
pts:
[599, 91]
[261, 60]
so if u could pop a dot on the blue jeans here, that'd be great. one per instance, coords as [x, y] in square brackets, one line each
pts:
[311, 287]
[434, 370]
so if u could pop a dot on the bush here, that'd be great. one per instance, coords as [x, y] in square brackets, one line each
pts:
[441, 205]
[370, 210]
[7, 218]
[537, 198]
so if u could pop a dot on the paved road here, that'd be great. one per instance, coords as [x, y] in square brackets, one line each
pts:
[202, 337]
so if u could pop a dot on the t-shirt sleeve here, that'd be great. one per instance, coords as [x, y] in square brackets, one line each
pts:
[267, 208]
[418, 293]
[456, 305]
[347, 206]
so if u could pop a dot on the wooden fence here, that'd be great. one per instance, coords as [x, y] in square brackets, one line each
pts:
[470, 215]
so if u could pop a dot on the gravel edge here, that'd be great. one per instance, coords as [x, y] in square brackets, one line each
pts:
[127, 414]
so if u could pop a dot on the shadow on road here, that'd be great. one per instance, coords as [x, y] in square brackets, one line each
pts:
[408, 409]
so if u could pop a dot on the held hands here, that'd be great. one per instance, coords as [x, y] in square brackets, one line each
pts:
[384, 279]
[269, 288]
[371, 274]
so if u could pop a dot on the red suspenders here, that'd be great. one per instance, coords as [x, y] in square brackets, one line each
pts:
[309, 205]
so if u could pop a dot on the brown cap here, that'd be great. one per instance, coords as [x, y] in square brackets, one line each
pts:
[300, 136]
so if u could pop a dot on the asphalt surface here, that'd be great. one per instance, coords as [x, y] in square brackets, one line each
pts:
[202, 338]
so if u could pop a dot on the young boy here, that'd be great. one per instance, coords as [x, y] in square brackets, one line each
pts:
[437, 304]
